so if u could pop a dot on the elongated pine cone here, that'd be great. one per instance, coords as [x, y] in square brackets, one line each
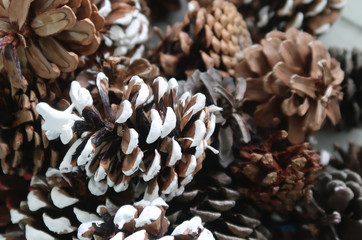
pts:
[213, 36]
[351, 63]
[276, 175]
[312, 16]
[45, 38]
[292, 76]
[24, 147]
[150, 138]
[126, 27]
[212, 197]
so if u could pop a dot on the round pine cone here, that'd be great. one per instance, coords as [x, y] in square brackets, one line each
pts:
[312, 16]
[126, 27]
[49, 36]
[149, 138]
[212, 36]
[290, 75]
[24, 147]
[276, 175]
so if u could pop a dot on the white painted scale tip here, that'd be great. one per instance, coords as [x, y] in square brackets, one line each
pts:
[124, 215]
[148, 215]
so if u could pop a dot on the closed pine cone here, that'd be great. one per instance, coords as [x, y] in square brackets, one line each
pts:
[212, 36]
[276, 175]
[151, 138]
[292, 76]
[46, 38]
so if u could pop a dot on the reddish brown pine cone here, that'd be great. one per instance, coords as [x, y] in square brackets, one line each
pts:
[276, 175]
[213, 36]
[291, 76]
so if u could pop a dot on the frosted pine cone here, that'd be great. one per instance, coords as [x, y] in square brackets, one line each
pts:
[126, 27]
[292, 76]
[213, 36]
[46, 38]
[276, 175]
[150, 138]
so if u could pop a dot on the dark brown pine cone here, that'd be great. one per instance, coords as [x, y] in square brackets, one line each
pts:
[212, 36]
[226, 214]
[276, 175]
[46, 38]
[151, 137]
[234, 125]
[312, 16]
[351, 63]
[351, 158]
[292, 77]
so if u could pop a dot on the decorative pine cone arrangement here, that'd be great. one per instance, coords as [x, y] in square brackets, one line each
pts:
[212, 36]
[276, 175]
[291, 76]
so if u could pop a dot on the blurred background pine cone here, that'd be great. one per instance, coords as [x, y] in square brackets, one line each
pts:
[350, 158]
[276, 175]
[292, 76]
[212, 36]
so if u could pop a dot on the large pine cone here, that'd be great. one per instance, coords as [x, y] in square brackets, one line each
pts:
[49, 36]
[292, 76]
[276, 175]
[150, 138]
[24, 147]
[312, 16]
[213, 36]
[351, 63]
[126, 27]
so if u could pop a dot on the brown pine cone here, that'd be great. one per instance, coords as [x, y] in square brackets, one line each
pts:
[226, 214]
[45, 38]
[126, 27]
[312, 16]
[151, 138]
[351, 63]
[350, 158]
[213, 36]
[24, 147]
[276, 175]
[292, 76]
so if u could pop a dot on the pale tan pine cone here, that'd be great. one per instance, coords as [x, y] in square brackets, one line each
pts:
[276, 175]
[212, 36]
[292, 77]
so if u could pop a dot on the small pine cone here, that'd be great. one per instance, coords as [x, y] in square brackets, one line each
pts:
[276, 175]
[213, 36]
[57, 204]
[44, 39]
[235, 126]
[151, 138]
[351, 63]
[126, 27]
[24, 148]
[292, 76]
[161, 8]
[211, 196]
[350, 158]
[312, 16]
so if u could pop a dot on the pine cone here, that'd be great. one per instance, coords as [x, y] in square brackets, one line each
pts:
[225, 213]
[126, 27]
[291, 75]
[235, 127]
[351, 63]
[141, 140]
[161, 8]
[276, 175]
[213, 36]
[313, 16]
[48, 36]
[24, 147]
[351, 158]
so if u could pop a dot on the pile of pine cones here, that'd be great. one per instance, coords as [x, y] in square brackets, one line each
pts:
[203, 135]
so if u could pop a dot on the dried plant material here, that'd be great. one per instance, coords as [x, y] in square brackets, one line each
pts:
[161, 8]
[208, 37]
[126, 28]
[292, 76]
[312, 16]
[351, 158]
[276, 175]
[46, 35]
[150, 137]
